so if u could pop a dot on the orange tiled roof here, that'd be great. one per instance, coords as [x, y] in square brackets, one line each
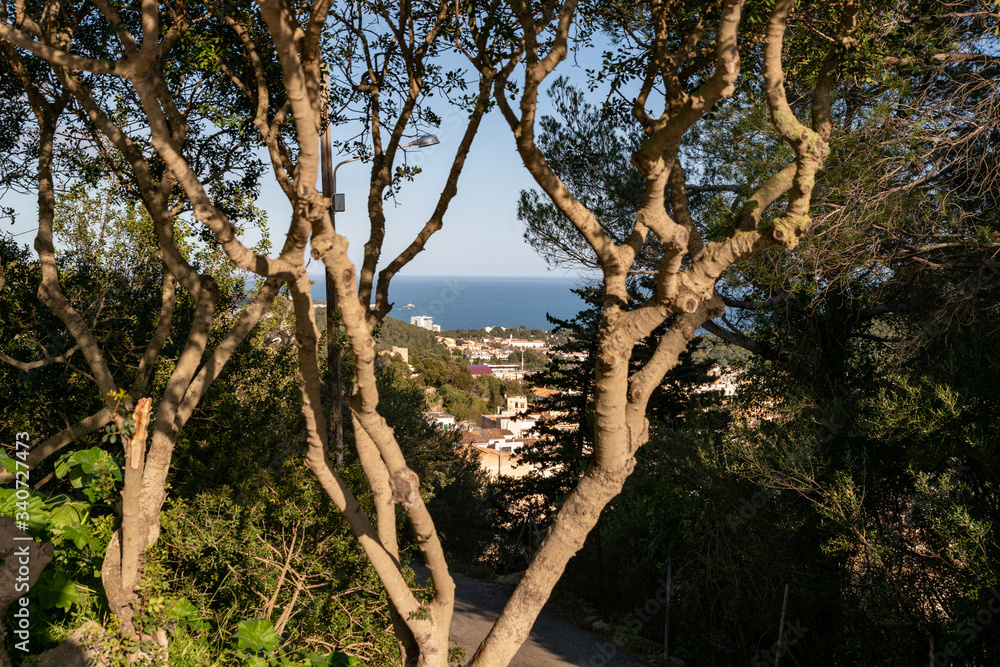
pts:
[470, 437]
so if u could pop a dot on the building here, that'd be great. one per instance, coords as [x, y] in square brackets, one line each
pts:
[425, 322]
[522, 344]
[507, 371]
[511, 418]
[543, 394]
[404, 353]
[496, 462]
[519, 443]
[505, 422]
[479, 369]
[472, 438]
[442, 420]
[516, 404]
[724, 380]
[497, 437]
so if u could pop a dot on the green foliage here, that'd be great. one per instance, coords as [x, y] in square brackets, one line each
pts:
[46, 398]
[114, 431]
[257, 636]
[862, 468]
[396, 333]
[429, 451]
[185, 615]
[464, 512]
[711, 348]
[437, 371]
[862, 475]
[241, 443]
[56, 592]
[93, 471]
[533, 360]
[79, 531]
[234, 504]
[586, 146]
[482, 396]
[232, 554]
[58, 518]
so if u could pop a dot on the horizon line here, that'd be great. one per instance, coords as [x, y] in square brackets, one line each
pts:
[469, 275]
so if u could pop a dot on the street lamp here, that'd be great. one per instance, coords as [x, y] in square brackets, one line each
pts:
[335, 424]
[422, 142]
[338, 199]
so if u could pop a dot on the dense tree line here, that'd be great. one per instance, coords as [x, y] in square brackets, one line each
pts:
[418, 341]
[242, 510]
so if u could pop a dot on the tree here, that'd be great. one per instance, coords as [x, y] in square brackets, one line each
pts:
[669, 39]
[831, 323]
[903, 179]
[559, 457]
[76, 103]
[267, 95]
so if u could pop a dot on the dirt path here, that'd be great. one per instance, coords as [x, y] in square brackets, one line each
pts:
[553, 642]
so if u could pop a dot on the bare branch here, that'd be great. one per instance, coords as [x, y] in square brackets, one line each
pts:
[46, 359]
[57, 442]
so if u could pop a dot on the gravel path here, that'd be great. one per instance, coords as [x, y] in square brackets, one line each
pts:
[553, 642]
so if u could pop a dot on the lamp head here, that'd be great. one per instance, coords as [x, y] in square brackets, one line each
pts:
[422, 142]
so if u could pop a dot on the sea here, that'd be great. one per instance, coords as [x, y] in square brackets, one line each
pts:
[474, 302]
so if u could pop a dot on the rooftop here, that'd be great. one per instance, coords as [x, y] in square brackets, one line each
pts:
[471, 438]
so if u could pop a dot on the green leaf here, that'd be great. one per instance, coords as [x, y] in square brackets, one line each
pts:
[80, 537]
[68, 515]
[343, 660]
[77, 476]
[90, 461]
[37, 509]
[187, 614]
[56, 591]
[63, 465]
[93, 470]
[9, 464]
[257, 636]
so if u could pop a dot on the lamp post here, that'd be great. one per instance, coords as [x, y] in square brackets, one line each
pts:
[335, 424]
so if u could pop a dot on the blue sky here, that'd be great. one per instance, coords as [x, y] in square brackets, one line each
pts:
[481, 234]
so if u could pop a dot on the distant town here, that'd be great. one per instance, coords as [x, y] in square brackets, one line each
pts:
[498, 436]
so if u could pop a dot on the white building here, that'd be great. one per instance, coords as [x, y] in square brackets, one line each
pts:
[507, 371]
[511, 418]
[498, 438]
[724, 380]
[424, 322]
[442, 420]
